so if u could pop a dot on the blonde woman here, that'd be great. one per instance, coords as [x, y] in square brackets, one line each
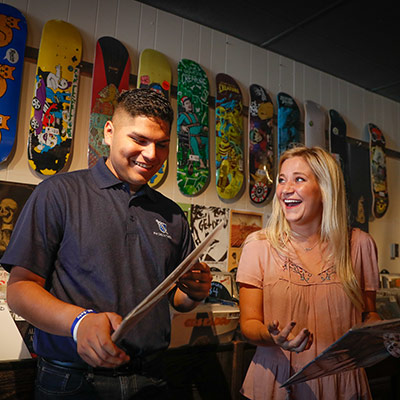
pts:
[305, 280]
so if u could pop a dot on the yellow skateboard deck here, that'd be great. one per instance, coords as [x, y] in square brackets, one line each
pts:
[54, 98]
[155, 73]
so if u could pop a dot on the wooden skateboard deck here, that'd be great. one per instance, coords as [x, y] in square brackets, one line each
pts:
[380, 197]
[359, 185]
[193, 171]
[12, 49]
[314, 125]
[54, 99]
[229, 138]
[261, 146]
[155, 73]
[288, 122]
[337, 137]
[337, 142]
[111, 71]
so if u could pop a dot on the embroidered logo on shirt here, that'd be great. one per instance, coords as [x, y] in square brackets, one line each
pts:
[162, 226]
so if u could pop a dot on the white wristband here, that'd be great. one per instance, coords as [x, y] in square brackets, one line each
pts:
[77, 322]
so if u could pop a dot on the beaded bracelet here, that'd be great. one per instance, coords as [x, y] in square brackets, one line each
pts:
[77, 321]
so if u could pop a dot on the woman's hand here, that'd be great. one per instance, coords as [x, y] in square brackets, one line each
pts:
[285, 339]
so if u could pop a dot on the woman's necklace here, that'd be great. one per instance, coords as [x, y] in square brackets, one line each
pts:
[310, 248]
[307, 249]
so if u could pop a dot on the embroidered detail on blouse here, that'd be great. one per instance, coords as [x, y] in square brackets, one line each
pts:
[304, 275]
[326, 275]
[291, 266]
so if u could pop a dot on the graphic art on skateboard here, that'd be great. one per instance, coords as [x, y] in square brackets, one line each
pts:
[193, 163]
[54, 99]
[111, 71]
[155, 73]
[12, 49]
[288, 122]
[337, 137]
[229, 138]
[359, 185]
[377, 155]
[314, 125]
[261, 145]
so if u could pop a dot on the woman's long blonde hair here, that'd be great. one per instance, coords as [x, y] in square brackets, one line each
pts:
[334, 225]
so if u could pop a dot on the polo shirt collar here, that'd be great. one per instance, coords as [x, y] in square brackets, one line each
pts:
[104, 179]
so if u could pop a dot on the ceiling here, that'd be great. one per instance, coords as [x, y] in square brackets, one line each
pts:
[357, 41]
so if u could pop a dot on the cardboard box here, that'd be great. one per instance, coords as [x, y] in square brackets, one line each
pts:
[208, 323]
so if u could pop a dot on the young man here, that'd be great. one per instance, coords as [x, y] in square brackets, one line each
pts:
[88, 247]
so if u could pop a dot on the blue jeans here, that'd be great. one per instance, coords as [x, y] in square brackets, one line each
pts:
[54, 382]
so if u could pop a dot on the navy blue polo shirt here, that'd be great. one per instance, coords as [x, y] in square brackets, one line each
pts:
[99, 247]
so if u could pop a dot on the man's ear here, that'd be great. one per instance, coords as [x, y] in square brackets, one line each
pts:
[108, 132]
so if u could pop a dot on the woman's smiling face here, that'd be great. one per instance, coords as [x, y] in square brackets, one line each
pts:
[299, 193]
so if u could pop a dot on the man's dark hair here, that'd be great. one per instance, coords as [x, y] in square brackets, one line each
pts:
[146, 103]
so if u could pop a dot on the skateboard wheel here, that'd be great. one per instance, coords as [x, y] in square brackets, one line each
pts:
[36, 104]
[34, 123]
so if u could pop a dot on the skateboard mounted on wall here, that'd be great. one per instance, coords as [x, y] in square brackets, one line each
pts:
[54, 99]
[378, 170]
[261, 146]
[12, 49]
[193, 164]
[229, 133]
[155, 73]
[314, 125]
[111, 72]
[288, 122]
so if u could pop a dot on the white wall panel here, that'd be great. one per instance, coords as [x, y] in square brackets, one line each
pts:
[205, 49]
[84, 19]
[147, 30]
[190, 41]
[127, 29]
[139, 27]
[106, 19]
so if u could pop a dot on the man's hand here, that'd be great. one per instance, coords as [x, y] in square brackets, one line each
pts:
[94, 342]
[196, 283]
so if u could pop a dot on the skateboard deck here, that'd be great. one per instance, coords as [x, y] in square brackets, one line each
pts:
[54, 99]
[314, 125]
[111, 71]
[261, 146]
[380, 197]
[359, 185]
[337, 137]
[12, 48]
[229, 138]
[193, 171]
[155, 73]
[288, 122]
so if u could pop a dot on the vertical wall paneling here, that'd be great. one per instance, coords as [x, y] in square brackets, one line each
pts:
[190, 41]
[83, 18]
[139, 27]
[147, 32]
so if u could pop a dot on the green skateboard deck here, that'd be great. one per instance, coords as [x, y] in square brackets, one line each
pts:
[111, 71]
[380, 196]
[155, 73]
[54, 99]
[12, 48]
[261, 145]
[314, 125]
[193, 171]
[288, 122]
[229, 138]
